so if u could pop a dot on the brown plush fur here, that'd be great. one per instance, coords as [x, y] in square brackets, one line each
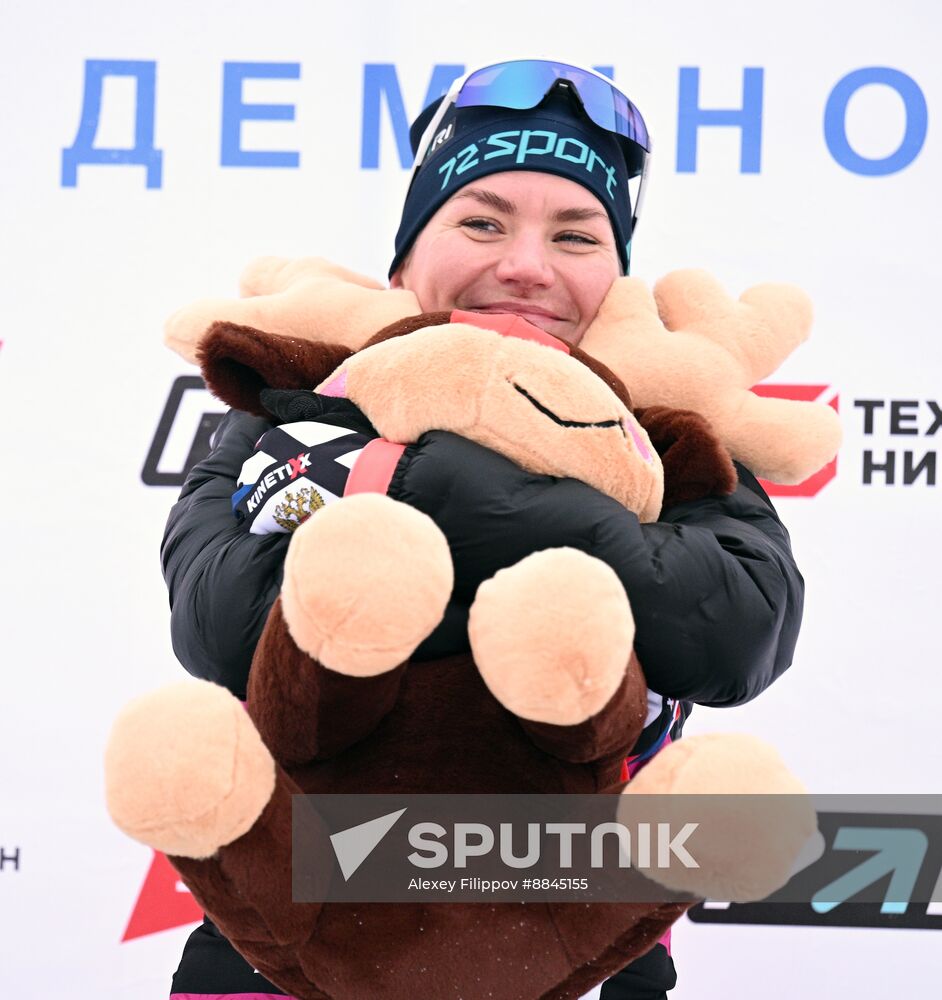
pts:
[605, 374]
[695, 463]
[417, 729]
[408, 325]
[238, 362]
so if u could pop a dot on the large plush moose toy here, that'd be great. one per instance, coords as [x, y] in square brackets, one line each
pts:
[550, 697]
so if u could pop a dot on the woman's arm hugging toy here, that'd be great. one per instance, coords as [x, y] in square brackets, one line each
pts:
[347, 694]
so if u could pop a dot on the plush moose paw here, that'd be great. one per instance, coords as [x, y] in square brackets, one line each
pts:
[552, 636]
[366, 580]
[185, 770]
[753, 815]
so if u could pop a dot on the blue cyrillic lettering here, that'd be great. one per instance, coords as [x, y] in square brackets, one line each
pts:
[748, 118]
[143, 153]
[381, 80]
[835, 121]
[235, 111]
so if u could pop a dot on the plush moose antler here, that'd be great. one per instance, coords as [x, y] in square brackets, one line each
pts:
[309, 298]
[688, 346]
[691, 346]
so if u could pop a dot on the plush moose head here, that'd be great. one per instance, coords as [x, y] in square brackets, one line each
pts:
[550, 698]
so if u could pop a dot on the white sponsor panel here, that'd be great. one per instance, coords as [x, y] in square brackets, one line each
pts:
[834, 186]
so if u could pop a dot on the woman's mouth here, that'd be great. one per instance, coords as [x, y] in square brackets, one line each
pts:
[539, 317]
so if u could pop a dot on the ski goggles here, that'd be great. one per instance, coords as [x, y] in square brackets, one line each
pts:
[521, 84]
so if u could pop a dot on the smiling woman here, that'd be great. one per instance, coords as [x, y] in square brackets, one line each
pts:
[518, 203]
[532, 244]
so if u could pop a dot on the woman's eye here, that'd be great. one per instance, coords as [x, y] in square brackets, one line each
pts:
[480, 225]
[578, 238]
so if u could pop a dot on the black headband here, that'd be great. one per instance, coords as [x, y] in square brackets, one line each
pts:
[555, 138]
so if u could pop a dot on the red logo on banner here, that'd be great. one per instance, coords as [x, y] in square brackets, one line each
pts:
[164, 902]
[805, 394]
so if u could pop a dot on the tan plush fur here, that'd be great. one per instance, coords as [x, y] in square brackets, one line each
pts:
[551, 636]
[690, 346]
[744, 841]
[359, 616]
[182, 807]
[281, 295]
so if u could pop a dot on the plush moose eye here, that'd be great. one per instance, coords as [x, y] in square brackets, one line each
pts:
[562, 421]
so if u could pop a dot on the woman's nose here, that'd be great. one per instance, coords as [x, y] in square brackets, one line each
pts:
[524, 262]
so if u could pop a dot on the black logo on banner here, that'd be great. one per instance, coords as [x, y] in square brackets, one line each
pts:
[877, 870]
[9, 859]
[884, 422]
[203, 427]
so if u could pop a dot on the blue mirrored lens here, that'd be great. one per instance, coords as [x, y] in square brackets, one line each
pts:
[518, 85]
[522, 84]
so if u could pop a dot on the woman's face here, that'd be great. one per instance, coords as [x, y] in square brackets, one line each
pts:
[523, 242]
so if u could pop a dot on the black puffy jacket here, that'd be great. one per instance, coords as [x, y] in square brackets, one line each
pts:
[713, 587]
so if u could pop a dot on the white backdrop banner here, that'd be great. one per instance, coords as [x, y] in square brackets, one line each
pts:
[151, 150]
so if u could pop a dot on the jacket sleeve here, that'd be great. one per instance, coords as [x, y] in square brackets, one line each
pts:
[718, 604]
[222, 580]
[713, 587]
